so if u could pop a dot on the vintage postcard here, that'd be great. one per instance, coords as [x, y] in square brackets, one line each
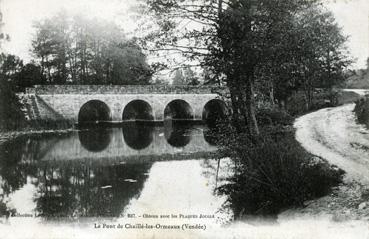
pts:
[184, 119]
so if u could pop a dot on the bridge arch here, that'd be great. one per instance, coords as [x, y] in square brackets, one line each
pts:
[178, 110]
[213, 111]
[137, 110]
[94, 111]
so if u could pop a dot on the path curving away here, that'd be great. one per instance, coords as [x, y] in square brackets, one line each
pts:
[334, 135]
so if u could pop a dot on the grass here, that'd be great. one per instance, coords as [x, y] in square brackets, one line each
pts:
[362, 111]
[273, 172]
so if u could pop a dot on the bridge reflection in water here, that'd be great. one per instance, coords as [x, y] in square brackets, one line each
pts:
[98, 172]
[132, 141]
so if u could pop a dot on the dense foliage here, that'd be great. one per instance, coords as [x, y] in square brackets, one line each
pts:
[272, 173]
[73, 49]
[362, 111]
[69, 50]
[267, 47]
[11, 116]
[10, 113]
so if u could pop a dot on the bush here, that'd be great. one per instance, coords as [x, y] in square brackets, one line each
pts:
[273, 116]
[11, 116]
[48, 124]
[345, 97]
[362, 111]
[273, 172]
[296, 104]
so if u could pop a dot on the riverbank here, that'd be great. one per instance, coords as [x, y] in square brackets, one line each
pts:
[273, 171]
[10, 135]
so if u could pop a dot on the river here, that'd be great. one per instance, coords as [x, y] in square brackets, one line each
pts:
[130, 174]
[120, 182]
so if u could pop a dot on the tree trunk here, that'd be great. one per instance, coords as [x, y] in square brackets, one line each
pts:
[236, 117]
[250, 107]
[308, 98]
[282, 104]
[271, 94]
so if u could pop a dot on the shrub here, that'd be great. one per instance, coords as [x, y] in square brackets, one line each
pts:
[273, 172]
[48, 124]
[273, 116]
[362, 111]
[296, 104]
[11, 116]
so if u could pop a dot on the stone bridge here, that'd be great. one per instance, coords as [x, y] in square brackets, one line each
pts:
[99, 103]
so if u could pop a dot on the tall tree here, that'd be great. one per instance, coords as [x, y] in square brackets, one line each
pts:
[11, 116]
[322, 52]
[315, 56]
[28, 76]
[238, 40]
[74, 49]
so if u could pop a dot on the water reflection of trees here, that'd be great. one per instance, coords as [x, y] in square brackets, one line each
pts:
[16, 164]
[83, 188]
[88, 189]
[17, 156]
[68, 188]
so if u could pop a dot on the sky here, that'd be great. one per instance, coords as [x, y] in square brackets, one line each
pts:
[353, 17]
[19, 15]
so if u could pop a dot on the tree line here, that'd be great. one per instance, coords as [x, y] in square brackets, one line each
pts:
[77, 50]
[11, 115]
[269, 47]
[69, 49]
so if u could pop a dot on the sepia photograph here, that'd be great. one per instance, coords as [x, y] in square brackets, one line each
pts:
[184, 119]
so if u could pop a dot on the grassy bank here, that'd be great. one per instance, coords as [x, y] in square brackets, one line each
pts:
[13, 122]
[296, 104]
[362, 111]
[11, 115]
[273, 172]
[37, 127]
[10, 135]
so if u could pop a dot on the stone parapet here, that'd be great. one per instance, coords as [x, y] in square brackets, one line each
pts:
[123, 89]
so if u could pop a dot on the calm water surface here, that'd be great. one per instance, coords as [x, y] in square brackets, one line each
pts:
[112, 172]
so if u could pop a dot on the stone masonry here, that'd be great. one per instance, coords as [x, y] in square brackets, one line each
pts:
[65, 101]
